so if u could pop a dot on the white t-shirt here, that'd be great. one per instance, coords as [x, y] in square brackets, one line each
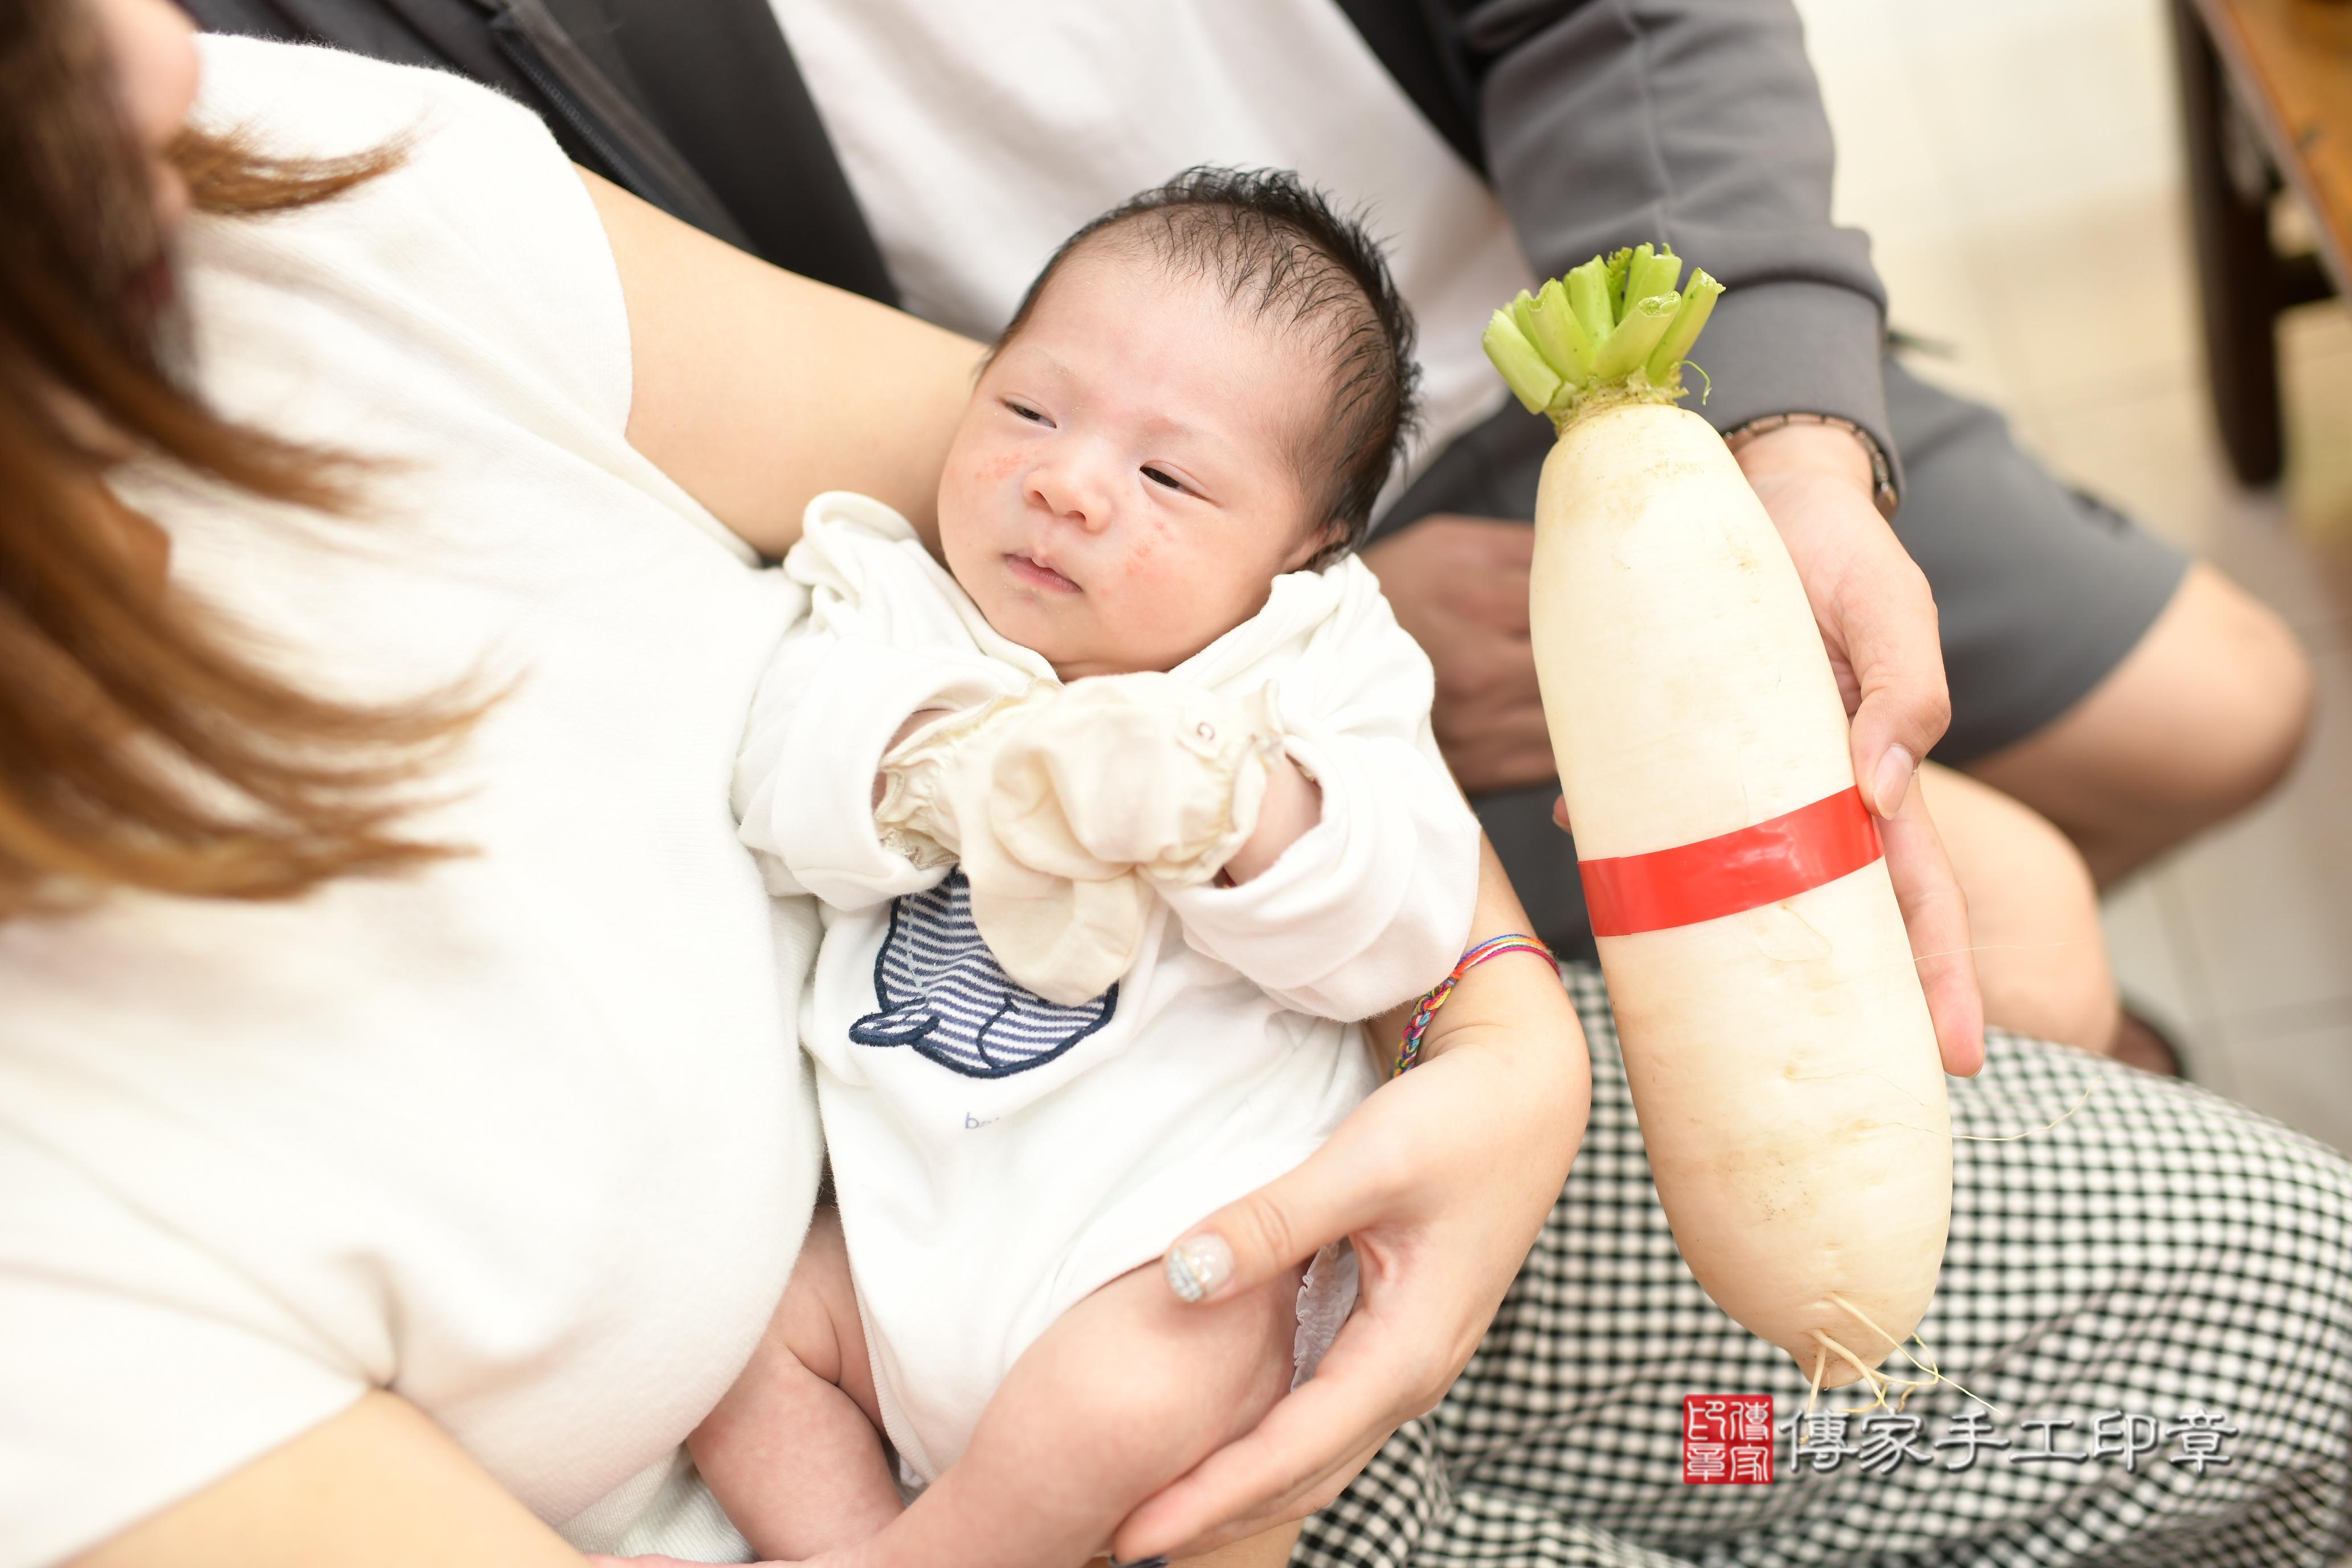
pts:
[978, 136]
[1032, 1152]
[524, 1138]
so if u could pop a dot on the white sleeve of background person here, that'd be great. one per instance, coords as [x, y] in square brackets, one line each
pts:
[1371, 905]
[521, 1137]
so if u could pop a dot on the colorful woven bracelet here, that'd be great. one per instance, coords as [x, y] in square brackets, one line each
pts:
[1427, 1008]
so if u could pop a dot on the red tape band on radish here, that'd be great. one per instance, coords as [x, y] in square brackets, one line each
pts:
[1629, 894]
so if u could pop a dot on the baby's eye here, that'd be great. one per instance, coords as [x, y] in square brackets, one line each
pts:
[1159, 477]
[1026, 412]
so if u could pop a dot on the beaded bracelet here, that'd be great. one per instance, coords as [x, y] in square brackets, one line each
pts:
[1425, 1009]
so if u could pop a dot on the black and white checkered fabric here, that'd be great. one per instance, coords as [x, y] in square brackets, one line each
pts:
[2161, 1251]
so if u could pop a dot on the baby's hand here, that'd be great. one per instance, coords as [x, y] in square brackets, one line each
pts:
[934, 774]
[1139, 770]
[915, 720]
[1293, 805]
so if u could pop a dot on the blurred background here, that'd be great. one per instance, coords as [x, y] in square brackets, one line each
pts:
[2019, 166]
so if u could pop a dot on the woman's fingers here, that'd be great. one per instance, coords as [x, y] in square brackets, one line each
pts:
[1293, 1504]
[1935, 913]
[1254, 1484]
[1477, 1130]
[1278, 1227]
[1305, 1452]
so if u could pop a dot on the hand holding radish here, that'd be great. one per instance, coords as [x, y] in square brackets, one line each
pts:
[1871, 601]
[1459, 584]
[1877, 621]
[1776, 1033]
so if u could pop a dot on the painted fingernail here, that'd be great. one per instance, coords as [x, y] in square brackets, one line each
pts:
[1198, 1265]
[1893, 781]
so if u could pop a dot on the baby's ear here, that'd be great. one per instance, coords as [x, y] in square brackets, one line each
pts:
[1322, 537]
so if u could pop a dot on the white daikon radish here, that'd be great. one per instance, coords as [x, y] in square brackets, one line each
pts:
[1782, 1064]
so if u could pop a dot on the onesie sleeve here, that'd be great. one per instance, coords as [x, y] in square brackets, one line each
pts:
[826, 712]
[1373, 904]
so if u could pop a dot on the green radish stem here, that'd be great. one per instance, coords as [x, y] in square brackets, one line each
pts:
[1651, 273]
[1587, 292]
[1552, 325]
[1640, 330]
[1612, 331]
[1532, 379]
[1699, 302]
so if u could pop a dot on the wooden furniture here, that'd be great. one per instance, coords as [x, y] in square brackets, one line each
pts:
[2266, 103]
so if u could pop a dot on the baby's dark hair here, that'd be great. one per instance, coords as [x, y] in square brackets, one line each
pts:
[1276, 248]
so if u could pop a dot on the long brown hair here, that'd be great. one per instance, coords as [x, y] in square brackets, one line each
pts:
[143, 741]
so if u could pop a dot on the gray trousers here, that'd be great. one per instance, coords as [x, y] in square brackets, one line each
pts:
[2041, 590]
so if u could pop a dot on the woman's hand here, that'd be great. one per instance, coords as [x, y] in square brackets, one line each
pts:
[1443, 1179]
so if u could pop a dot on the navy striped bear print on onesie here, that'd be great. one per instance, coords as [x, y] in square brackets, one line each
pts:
[941, 991]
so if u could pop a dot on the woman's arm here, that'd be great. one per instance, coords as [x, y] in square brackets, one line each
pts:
[757, 389]
[1443, 1178]
[379, 1486]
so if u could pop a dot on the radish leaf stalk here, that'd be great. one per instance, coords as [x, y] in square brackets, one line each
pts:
[1612, 331]
[1652, 272]
[1534, 381]
[1627, 352]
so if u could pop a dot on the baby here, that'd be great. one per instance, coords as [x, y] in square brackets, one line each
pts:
[1118, 820]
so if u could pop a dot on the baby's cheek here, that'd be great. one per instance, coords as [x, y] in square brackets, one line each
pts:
[1161, 568]
[966, 481]
[1169, 599]
[978, 467]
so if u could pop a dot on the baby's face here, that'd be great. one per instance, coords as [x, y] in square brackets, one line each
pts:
[1123, 489]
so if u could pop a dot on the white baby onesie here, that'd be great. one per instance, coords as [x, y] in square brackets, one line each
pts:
[997, 1156]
